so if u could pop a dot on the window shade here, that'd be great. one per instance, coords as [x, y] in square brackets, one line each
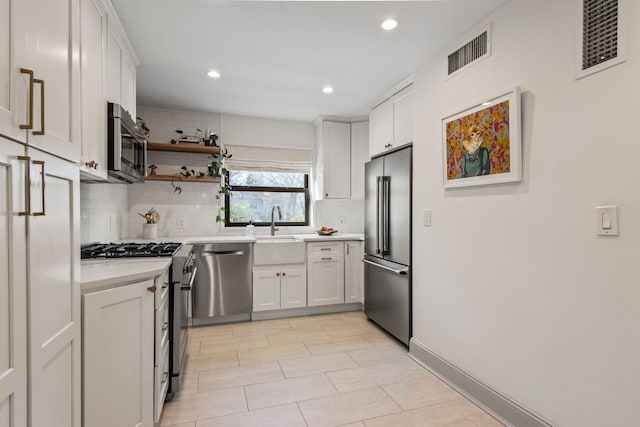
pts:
[268, 159]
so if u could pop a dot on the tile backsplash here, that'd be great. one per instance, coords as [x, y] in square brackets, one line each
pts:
[104, 212]
[346, 216]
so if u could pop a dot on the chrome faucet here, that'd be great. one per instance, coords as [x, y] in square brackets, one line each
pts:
[274, 227]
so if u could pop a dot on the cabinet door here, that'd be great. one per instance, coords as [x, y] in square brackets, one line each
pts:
[337, 159]
[353, 273]
[118, 356]
[325, 279]
[47, 42]
[128, 85]
[93, 32]
[266, 290]
[13, 285]
[381, 128]
[114, 65]
[14, 86]
[293, 288]
[359, 156]
[53, 250]
[403, 117]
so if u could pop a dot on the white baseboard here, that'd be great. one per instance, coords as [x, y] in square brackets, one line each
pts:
[499, 406]
[306, 311]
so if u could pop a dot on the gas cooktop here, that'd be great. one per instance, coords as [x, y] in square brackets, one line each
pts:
[128, 250]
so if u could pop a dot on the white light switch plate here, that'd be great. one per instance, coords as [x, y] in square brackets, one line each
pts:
[607, 220]
[182, 223]
[427, 218]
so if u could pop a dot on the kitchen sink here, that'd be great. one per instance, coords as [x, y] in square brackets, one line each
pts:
[282, 249]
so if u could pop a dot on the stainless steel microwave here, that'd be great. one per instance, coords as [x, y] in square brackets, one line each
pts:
[127, 146]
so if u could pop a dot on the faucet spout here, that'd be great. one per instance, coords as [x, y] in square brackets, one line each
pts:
[274, 227]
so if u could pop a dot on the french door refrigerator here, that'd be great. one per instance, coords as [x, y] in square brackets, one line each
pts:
[387, 242]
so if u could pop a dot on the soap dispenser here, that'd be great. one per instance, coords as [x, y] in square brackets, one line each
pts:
[249, 229]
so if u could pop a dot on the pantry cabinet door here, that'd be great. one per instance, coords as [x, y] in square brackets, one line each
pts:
[53, 251]
[47, 42]
[13, 84]
[13, 287]
[337, 160]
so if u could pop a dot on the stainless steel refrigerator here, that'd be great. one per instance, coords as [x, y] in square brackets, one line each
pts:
[387, 242]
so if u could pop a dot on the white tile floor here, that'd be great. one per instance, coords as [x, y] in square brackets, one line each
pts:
[331, 370]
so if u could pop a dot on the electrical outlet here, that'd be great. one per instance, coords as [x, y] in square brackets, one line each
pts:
[343, 220]
[427, 218]
[182, 223]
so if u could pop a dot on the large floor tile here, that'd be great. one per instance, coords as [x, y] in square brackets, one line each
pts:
[241, 375]
[340, 345]
[272, 353]
[347, 408]
[197, 406]
[423, 392]
[474, 414]
[316, 364]
[189, 424]
[200, 333]
[317, 323]
[378, 354]
[295, 337]
[277, 416]
[262, 327]
[225, 344]
[205, 362]
[400, 370]
[189, 383]
[288, 391]
[432, 416]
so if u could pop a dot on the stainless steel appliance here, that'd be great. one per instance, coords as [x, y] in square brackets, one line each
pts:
[387, 243]
[222, 290]
[183, 275]
[127, 147]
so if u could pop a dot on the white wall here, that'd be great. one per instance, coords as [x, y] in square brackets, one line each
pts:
[103, 212]
[511, 283]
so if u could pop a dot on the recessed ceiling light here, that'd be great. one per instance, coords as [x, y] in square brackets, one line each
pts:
[213, 74]
[389, 24]
[327, 89]
[486, 103]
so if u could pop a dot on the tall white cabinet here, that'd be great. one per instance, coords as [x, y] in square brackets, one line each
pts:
[391, 122]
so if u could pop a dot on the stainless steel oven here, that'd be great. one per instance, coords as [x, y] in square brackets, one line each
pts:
[127, 147]
[183, 274]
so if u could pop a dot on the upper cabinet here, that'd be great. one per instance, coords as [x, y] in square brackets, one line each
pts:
[39, 63]
[341, 151]
[391, 122]
[121, 67]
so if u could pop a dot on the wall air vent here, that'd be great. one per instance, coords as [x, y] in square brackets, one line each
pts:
[601, 38]
[470, 53]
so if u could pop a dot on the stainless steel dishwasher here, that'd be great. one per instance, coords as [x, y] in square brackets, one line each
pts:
[221, 292]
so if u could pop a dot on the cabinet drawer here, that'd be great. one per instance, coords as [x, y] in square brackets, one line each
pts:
[161, 382]
[162, 288]
[326, 248]
[161, 330]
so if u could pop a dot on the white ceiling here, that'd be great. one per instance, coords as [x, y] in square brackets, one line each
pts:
[275, 57]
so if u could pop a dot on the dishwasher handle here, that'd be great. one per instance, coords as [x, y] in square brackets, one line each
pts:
[213, 253]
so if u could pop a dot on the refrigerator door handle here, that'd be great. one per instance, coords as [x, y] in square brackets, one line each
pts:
[379, 214]
[386, 207]
[402, 271]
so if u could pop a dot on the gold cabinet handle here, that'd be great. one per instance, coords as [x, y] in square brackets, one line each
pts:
[27, 184]
[41, 163]
[92, 164]
[41, 131]
[29, 124]
[152, 288]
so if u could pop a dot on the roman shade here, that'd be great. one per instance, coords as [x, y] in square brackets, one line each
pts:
[264, 159]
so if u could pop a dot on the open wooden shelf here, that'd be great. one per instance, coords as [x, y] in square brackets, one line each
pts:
[182, 178]
[183, 147]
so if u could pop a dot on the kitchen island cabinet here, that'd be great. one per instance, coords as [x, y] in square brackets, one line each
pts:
[118, 365]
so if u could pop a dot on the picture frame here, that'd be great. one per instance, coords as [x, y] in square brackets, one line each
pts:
[481, 144]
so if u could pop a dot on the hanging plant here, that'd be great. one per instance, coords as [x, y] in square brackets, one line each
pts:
[184, 172]
[217, 168]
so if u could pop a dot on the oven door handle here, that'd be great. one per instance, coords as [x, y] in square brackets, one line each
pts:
[189, 285]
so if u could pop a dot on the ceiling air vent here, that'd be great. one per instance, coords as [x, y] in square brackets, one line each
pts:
[601, 36]
[475, 50]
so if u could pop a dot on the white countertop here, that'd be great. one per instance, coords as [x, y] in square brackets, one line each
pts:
[310, 237]
[104, 274]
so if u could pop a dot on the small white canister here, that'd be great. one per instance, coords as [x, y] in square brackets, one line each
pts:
[149, 231]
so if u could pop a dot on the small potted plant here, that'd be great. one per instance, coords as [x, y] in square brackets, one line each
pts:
[150, 228]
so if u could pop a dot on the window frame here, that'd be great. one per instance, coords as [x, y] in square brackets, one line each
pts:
[260, 189]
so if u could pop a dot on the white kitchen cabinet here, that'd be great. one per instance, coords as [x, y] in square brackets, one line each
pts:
[279, 286]
[121, 63]
[333, 160]
[391, 122]
[53, 271]
[118, 356]
[359, 156]
[45, 40]
[353, 272]
[325, 273]
[13, 287]
[93, 61]
[161, 375]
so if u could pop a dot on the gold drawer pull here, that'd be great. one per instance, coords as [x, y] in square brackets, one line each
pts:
[29, 124]
[27, 184]
[41, 131]
[42, 175]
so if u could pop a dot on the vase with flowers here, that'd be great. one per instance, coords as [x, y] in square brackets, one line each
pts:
[150, 228]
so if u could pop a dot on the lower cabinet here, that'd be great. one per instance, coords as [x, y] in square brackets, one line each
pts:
[354, 272]
[118, 343]
[325, 273]
[279, 286]
[161, 376]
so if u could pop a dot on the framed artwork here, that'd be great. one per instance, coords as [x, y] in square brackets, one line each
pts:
[481, 144]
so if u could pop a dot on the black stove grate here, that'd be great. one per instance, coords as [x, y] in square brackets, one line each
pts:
[128, 250]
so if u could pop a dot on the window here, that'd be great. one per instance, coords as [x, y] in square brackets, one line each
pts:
[255, 193]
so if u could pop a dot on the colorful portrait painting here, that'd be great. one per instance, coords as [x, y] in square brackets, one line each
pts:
[481, 144]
